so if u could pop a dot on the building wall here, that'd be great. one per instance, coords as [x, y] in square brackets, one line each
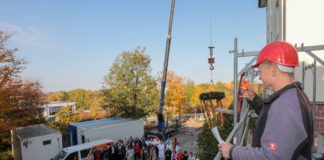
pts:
[319, 119]
[304, 25]
[274, 20]
[36, 150]
[300, 22]
[16, 146]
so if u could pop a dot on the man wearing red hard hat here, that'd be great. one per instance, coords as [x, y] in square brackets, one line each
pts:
[284, 129]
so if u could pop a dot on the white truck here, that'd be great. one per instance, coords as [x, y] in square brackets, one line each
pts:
[112, 128]
[82, 151]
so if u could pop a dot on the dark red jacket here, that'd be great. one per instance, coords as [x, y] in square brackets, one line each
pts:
[137, 149]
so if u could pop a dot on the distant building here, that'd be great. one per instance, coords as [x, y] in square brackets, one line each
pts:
[51, 108]
[35, 142]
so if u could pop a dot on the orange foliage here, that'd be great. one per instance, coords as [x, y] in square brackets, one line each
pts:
[175, 92]
[227, 88]
[19, 104]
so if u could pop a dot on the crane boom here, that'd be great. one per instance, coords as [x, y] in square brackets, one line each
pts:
[161, 123]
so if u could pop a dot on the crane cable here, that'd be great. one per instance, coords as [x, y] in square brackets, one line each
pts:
[210, 23]
[211, 59]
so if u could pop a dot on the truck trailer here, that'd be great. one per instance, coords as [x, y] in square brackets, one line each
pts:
[112, 128]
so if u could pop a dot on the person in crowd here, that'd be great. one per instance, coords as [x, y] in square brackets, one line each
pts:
[168, 145]
[177, 147]
[130, 154]
[161, 148]
[191, 156]
[97, 154]
[120, 150]
[185, 155]
[137, 150]
[168, 154]
[179, 155]
[153, 152]
[174, 155]
[111, 152]
[196, 157]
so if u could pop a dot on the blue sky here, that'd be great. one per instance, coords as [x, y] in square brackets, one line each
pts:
[72, 44]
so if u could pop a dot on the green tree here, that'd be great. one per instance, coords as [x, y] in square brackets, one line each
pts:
[85, 100]
[129, 90]
[189, 91]
[79, 97]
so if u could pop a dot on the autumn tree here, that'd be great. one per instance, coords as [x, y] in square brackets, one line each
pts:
[175, 92]
[199, 88]
[10, 66]
[85, 100]
[79, 97]
[57, 96]
[20, 100]
[189, 91]
[129, 89]
[227, 88]
[66, 115]
[94, 100]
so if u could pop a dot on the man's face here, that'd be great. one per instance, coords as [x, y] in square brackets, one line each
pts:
[266, 71]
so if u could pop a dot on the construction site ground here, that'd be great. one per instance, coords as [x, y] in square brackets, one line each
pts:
[188, 135]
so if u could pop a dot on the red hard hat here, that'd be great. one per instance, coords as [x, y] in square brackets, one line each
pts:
[279, 52]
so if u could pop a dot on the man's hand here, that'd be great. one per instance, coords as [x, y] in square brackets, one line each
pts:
[248, 93]
[224, 149]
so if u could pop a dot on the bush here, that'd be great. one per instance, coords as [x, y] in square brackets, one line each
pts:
[207, 142]
[6, 154]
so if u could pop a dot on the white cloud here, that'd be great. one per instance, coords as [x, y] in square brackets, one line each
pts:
[30, 36]
[9, 28]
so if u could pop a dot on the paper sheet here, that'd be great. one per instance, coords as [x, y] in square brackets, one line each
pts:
[217, 135]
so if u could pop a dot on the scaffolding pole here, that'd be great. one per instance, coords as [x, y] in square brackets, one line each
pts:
[303, 76]
[235, 81]
[314, 89]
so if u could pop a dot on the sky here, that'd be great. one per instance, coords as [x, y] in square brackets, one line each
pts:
[72, 44]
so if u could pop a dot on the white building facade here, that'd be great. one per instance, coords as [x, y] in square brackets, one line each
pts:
[51, 108]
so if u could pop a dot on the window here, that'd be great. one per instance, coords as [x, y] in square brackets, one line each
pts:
[47, 142]
[73, 156]
[83, 139]
[84, 153]
[52, 113]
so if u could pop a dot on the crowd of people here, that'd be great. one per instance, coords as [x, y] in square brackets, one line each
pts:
[142, 149]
